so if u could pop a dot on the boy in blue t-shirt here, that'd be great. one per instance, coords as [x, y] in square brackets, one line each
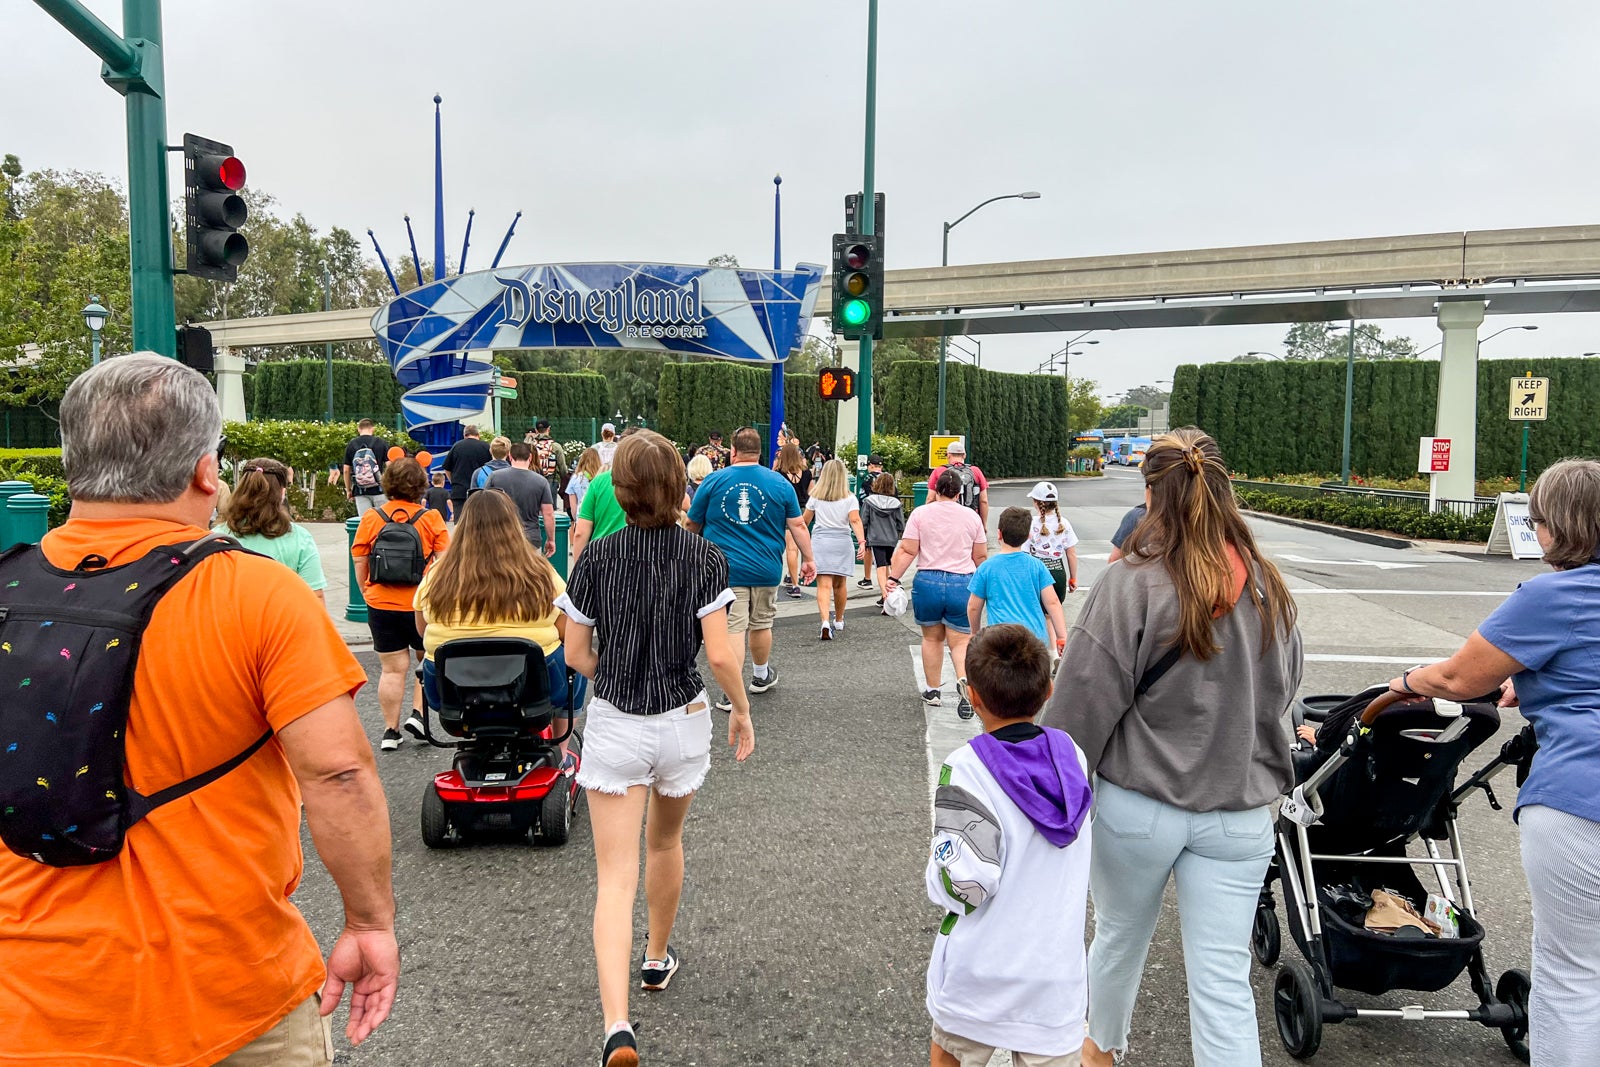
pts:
[1012, 586]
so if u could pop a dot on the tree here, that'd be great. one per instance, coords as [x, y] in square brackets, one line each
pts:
[1083, 404]
[726, 259]
[1319, 340]
[812, 357]
[1122, 416]
[1146, 396]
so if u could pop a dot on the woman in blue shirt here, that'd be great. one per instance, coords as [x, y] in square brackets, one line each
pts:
[1545, 639]
[257, 516]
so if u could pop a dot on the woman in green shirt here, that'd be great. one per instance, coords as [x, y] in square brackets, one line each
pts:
[257, 516]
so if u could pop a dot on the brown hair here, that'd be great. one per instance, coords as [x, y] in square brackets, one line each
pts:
[648, 477]
[1566, 501]
[948, 485]
[589, 462]
[746, 441]
[521, 452]
[790, 462]
[257, 505]
[491, 573]
[1045, 509]
[1008, 670]
[1193, 519]
[1015, 526]
[403, 479]
[884, 485]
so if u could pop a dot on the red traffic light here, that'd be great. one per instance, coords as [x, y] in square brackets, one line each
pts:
[230, 172]
[857, 256]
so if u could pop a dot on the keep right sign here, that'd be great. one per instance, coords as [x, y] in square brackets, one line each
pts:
[1530, 399]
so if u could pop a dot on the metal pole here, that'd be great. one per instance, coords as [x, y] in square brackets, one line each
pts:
[438, 190]
[94, 348]
[149, 219]
[944, 332]
[327, 305]
[1522, 485]
[1349, 394]
[776, 403]
[869, 224]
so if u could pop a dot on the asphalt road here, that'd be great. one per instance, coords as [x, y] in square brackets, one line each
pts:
[804, 930]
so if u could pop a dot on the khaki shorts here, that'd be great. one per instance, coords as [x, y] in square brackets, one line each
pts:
[973, 1054]
[753, 608]
[303, 1039]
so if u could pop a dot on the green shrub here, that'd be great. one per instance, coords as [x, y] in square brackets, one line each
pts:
[901, 455]
[1015, 424]
[46, 461]
[1362, 515]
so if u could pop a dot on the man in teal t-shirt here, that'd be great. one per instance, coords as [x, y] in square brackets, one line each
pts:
[599, 516]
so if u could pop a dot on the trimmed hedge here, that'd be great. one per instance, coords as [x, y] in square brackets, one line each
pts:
[547, 394]
[1395, 518]
[1272, 418]
[1016, 424]
[696, 398]
[298, 389]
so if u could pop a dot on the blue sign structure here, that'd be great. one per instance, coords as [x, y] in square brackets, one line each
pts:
[437, 337]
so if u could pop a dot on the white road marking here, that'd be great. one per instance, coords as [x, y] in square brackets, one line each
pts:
[1334, 657]
[1404, 592]
[1381, 564]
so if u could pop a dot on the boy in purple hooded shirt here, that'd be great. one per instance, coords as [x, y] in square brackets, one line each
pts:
[1010, 864]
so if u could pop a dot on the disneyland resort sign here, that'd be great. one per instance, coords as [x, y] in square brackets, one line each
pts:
[626, 311]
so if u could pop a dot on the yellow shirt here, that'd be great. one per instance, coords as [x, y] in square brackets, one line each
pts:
[439, 630]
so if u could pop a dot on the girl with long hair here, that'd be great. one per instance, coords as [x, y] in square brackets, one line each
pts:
[494, 583]
[833, 513]
[585, 472]
[257, 516]
[792, 465]
[1174, 684]
[1051, 539]
[648, 733]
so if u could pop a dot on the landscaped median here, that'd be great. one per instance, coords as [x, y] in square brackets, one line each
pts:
[1358, 514]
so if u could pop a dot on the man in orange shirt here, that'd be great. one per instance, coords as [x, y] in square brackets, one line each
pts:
[185, 949]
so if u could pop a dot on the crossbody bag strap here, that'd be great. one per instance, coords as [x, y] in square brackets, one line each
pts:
[1157, 669]
[140, 805]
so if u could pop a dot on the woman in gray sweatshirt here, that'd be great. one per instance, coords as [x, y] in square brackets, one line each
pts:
[1174, 684]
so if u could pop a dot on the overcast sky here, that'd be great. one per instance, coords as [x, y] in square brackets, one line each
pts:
[626, 129]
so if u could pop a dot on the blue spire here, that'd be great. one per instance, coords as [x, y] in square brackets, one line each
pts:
[438, 190]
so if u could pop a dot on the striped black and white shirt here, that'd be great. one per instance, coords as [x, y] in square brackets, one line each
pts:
[645, 592]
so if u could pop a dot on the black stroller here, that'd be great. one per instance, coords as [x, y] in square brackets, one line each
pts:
[1382, 774]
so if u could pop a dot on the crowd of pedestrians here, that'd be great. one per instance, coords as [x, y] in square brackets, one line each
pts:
[1164, 719]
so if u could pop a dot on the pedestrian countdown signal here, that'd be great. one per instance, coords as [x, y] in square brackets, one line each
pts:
[837, 383]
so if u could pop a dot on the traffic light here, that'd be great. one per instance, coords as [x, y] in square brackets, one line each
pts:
[195, 348]
[837, 383]
[857, 286]
[214, 210]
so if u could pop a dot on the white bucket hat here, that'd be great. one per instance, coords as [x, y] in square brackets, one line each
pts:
[1043, 491]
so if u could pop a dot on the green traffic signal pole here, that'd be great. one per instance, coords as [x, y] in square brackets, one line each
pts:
[1349, 395]
[869, 224]
[133, 68]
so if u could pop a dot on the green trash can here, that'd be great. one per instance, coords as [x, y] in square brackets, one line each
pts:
[7, 491]
[919, 494]
[563, 544]
[356, 610]
[27, 518]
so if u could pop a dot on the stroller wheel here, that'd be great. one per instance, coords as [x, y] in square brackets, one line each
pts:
[1297, 1004]
[1266, 940]
[555, 815]
[1513, 988]
[435, 821]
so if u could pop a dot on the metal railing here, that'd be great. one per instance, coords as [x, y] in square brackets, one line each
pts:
[1401, 497]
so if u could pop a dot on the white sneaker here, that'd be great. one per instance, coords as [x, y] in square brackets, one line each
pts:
[838, 625]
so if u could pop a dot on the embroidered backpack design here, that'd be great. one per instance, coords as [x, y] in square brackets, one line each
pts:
[69, 643]
[545, 449]
[398, 557]
[364, 471]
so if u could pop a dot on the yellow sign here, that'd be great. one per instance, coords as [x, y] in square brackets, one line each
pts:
[1530, 399]
[937, 449]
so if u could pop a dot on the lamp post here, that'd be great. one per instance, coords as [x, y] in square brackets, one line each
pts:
[94, 317]
[327, 305]
[944, 261]
[1349, 395]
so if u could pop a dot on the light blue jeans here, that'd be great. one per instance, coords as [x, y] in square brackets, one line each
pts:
[1219, 859]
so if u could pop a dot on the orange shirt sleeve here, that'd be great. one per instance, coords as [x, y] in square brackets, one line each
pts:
[302, 662]
[436, 534]
[366, 533]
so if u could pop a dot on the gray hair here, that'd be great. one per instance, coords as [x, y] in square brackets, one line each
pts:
[1566, 500]
[133, 428]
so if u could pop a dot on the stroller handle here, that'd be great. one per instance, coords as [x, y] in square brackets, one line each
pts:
[1385, 700]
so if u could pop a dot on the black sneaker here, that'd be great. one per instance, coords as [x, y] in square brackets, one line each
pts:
[932, 699]
[963, 705]
[794, 591]
[865, 583]
[622, 1050]
[655, 974]
[391, 740]
[413, 725]
[761, 685]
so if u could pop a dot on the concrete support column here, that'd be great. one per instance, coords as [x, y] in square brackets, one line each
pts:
[230, 385]
[1457, 411]
[844, 427]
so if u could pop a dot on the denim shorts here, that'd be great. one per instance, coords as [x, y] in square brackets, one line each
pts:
[940, 598]
[670, 752]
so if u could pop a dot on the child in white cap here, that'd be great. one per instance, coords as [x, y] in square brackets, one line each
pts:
[1052, 540]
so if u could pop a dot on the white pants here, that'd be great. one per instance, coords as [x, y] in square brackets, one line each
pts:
[1561, 855]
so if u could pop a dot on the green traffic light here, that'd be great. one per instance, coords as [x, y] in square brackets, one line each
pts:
[855, 312]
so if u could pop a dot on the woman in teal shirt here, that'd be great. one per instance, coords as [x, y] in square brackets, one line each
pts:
[257, 516]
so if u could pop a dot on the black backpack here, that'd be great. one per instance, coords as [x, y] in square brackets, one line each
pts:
[397, 554]
[69, 644]
[970, 491]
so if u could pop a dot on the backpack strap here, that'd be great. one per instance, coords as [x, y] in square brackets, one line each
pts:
[1157, 669]
[140, 805]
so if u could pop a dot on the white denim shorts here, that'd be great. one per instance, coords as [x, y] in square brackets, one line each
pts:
[670, 752]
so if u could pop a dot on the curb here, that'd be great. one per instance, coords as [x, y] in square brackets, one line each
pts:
[1380, 540]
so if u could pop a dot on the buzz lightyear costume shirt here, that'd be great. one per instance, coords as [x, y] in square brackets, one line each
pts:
[744, 510]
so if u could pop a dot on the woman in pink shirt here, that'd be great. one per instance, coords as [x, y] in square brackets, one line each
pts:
[947, 542]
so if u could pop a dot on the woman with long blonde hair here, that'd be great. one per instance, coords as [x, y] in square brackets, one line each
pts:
[494, 583]
[1174, 684]
[256, 514]
[585, 472]
[833, 513]
[792, 465]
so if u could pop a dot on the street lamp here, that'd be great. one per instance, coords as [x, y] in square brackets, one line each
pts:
[94, 317]
[1349, 396]
[944, 261]
[1497, 333]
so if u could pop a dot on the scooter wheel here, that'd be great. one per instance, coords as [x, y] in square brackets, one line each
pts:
[555, 814]
[1297, 1005]
[435, 821]
[1513, 989]
[1266, 940]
